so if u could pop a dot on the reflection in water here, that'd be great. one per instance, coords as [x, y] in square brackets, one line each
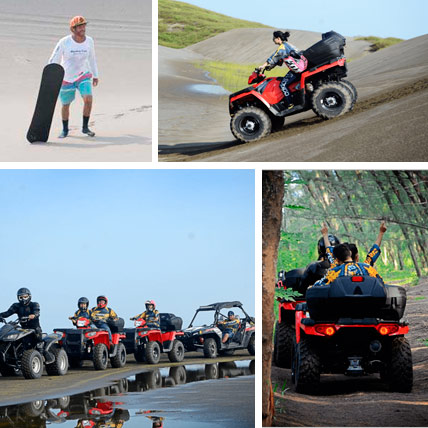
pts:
[102, 407]
[208, 89]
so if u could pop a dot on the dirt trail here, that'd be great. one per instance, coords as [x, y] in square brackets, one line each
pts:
[364, 401]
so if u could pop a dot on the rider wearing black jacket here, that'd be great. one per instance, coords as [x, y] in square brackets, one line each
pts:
[28, 312]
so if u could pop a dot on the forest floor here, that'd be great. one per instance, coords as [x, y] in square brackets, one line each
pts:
[365, 401]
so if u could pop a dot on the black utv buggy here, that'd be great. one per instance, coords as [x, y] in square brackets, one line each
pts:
[207, 337]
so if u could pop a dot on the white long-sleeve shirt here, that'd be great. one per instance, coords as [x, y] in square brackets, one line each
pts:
[78, 59]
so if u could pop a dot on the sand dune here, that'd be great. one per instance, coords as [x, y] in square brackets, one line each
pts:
[121, 114]
[254, 45]
[374, 75]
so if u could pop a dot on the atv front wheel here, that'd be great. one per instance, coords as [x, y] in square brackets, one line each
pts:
[60, 366]
[153, 353]
[119, 360]
[250, 124]
[177, 352]
[210, 348]
[400, 367]
[100, 356]
[283, 344]
[307, 368]
[32, 364]
[331, 100]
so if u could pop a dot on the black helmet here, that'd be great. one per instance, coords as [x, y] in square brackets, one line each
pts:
[24, 292]
[83, 300]
[230, 313]
[334, 240]
[102, 298]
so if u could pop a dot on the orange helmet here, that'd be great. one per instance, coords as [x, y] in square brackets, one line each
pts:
[77, 20]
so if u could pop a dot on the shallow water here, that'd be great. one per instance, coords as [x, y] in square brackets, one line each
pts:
[183, 396]
[206, 89]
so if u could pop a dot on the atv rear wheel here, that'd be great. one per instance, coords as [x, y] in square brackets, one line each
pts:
[139, 355]
[153, 353]
[177, 352]
[119, 360]
[250, 124]
[331, 100]
[283, 344]
[100, 356]
[32, 364]
[75, 362]
[210, 348]
[307, 368]
[60, 366]
[400, 367]
[251, 345]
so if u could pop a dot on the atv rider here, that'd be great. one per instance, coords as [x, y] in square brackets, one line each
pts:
[83, 311]
[229, 326]
[28, 312]
[346, 266]
[101, 315]
[372, 255]
[76, 53]
[295, 61]
[150, 315]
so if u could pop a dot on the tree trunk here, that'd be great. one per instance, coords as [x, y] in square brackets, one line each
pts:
[273, 195]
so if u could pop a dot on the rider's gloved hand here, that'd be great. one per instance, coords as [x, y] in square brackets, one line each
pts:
[132, 318]
[2, 319]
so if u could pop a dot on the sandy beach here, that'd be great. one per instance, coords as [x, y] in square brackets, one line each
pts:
[122, 111]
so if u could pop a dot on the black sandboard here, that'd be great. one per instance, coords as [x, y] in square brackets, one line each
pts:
[52, 77]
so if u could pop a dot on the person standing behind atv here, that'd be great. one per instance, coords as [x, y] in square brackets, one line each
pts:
[346, 267]
[229, 326]
[150, 315]
[288, 54]
[76, 53]
[83, 311]
[101, 315]
[28, 312]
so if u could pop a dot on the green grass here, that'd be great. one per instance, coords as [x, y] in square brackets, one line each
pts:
[420, 298]
[424, 341]
[182, 24]
[380, 43]
[234, 77]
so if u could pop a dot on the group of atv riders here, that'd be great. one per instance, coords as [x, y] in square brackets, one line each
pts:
[100, 316]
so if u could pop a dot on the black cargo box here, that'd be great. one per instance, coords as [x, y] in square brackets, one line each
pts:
[169, 322]
[116, 326]
[346, 299]
[330, 47]
[293, 278]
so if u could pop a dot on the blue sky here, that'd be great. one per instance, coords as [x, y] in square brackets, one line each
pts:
[383, 18]
[181, 237]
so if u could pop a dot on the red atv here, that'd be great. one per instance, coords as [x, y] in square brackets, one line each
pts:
[147, 344]
[353, 326]
[88, 343]
[261, 108]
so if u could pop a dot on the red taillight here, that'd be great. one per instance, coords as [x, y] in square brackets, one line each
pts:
[388, 329]
[327, 330]
[357, 278]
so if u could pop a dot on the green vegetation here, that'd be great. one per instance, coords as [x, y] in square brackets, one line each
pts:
[424, 341]
[420, 298]
[231, 76]
[182, 24]
[379, 42]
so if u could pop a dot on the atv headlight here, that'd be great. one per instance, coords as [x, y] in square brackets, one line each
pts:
[12, 336]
